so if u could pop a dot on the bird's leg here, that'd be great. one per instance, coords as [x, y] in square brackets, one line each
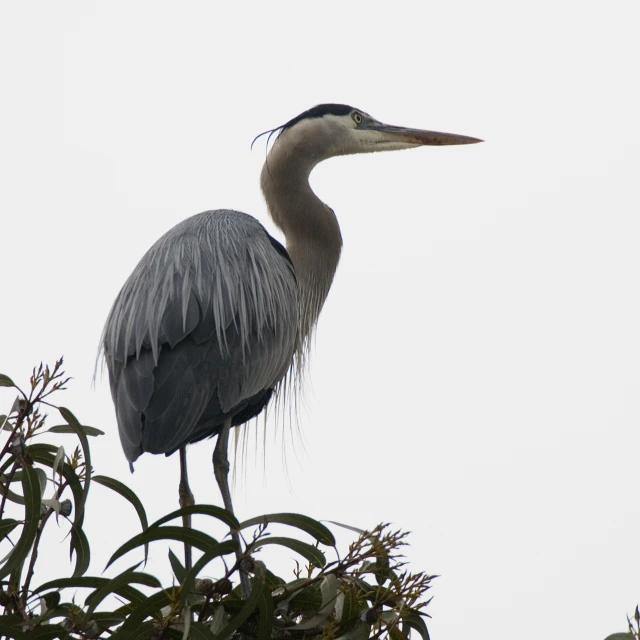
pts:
[221, 465]
[186, 500]
[221, 472]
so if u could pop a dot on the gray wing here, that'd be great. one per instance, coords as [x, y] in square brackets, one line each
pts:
[203, 330]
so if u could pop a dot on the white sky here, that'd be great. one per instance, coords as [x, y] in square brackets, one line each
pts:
[476, 377]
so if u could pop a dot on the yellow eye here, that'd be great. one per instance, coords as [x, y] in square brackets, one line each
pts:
[357, 118]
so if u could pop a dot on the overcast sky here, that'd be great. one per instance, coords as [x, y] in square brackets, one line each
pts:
[476, 376]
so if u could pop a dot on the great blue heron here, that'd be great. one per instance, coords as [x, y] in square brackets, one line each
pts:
[217, 311]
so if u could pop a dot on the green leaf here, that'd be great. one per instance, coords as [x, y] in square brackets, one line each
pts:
[80, 545]
[350, 608]
[178, 570]
[107, 619]
[329, 590]
[31, 493]
[265, 608]
[202, 509]
[415, 621]
[273, 581]
[14, 497]
[360, 532]
[90, 582]
[127, 578]
[46, 632]
[620, 636]
[42, 476]
[249, 606]
[304, 523]
[200, 631]
[307, 551]
[65, 428]
[220, 549]
[127, 494]
[359, 632]
[395, 633]
[306, 601]
[10, 628]
[46, 454]
[190, 536]
[139, 632]
[77, 427]
[52, 599]
[7, 526]
[151, 606]
[383, 572]
[6, 381]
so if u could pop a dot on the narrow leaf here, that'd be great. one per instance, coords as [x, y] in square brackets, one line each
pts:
[359, 632]
[265, 608]
[7, 526]
[77, 427]
[329, 590]
[306, 601]
[383, 571]
[31, 493]
[127, 578]
[248, 608]
[350, 610]
[151, 606]
[52, 504]
[80, 545]
[304, 523]
[6, 381]
[217, 620]
[14, 497]
[45, 454]
[178, 570]
[190, 536]
[42, 477]
[65, 428]
[360, 532]
[47, 632]
[202, 509]
[138, 632]
[200, 631]
[416, 622]
[58, 459]
[307, 551]
[127, 494]
[221, 549]
[91, 582]
[107, 619]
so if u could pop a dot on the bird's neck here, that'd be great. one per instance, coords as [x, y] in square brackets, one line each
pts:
[310, 227]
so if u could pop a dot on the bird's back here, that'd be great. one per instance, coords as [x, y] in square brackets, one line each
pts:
[202, 331]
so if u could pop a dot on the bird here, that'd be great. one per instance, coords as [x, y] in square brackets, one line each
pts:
[218, 315]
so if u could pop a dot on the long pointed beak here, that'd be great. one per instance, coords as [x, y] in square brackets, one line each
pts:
[391, 134]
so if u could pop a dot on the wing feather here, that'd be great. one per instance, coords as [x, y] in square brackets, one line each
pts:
[203, 330]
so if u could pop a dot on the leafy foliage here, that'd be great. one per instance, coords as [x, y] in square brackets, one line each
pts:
[364, 593]
[634, 629]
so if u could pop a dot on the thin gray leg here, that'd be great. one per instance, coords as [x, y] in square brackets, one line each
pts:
[221, 472]
[186, 500]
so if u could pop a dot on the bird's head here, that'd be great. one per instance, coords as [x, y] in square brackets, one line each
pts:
[329, 130]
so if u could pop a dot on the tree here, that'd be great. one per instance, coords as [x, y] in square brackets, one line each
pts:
[365, 592]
